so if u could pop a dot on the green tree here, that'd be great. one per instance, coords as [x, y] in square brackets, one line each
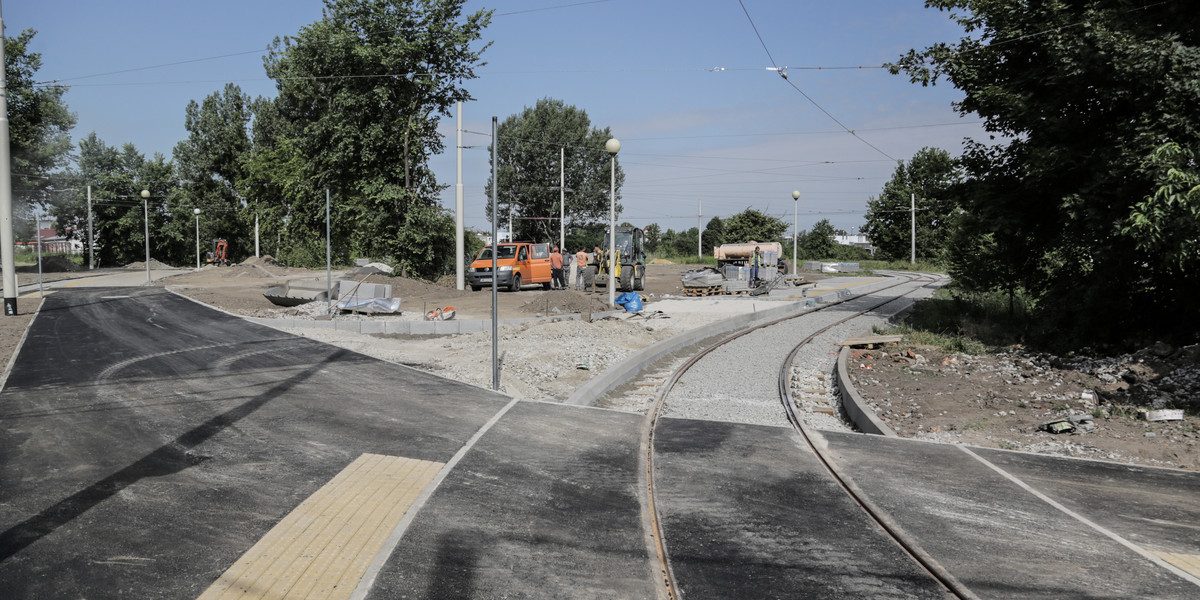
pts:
[752, 225]
[39, 126]
[117, 177]
[714, 234]
[932, 176]
[818, 244]
[1081, 93]
[535, 147]
[211, 166]
[360, 93]
[653, 237]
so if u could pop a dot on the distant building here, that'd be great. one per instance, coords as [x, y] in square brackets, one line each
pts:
[52, 243]
[860, 241]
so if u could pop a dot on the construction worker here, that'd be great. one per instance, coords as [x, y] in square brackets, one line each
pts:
[581, 261]
[556, 270]
[755, 261]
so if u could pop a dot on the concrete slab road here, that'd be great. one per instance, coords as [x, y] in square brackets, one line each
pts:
[1012, 525]
[148, 442]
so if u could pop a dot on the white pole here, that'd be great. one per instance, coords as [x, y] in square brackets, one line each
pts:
[41, 294]
[197, 211]
[562, 200]
[8, 261]
[612, 146]
[912, 211]
[495, 249]
[91, 244]
[328, 257]
[795, 229]
[146, 222]
[256, 253]
[699, 229]
[459, 231]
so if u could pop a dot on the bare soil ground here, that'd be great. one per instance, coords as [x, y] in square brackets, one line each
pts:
[999, 401]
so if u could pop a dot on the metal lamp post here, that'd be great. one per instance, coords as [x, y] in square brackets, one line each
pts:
[146, 221]
[612, 146]
[795, 223]
[197, 211]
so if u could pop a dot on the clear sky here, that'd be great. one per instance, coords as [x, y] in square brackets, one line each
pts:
[694, 138]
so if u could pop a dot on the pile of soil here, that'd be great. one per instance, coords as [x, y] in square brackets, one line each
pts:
[154, 264]
[1001, 401]
[52, 264]
[265, 260]
[556, 302]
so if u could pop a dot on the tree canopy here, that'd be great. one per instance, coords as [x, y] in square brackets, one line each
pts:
[537, 145]
[1083, 95]
[931, 175]
[752, 225]
[39, 122]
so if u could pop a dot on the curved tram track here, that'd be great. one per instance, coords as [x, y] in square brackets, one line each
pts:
[732, 380]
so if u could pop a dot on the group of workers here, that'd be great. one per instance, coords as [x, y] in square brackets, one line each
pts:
[560, 262]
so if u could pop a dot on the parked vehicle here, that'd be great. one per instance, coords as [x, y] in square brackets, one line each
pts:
[517, 264]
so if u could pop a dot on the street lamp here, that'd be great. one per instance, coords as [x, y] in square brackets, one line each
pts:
[197, 211]
[795, 223]
[612, 146]
[146, 221]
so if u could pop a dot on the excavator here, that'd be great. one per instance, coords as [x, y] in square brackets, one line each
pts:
[219, 255]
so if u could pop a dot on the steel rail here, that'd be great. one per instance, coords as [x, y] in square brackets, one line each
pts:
[651, 518]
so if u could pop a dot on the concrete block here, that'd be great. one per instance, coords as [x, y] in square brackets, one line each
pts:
[398, 327]
[422, 327]
[346, 325]
[474, 326]
[372, 326]
[445, 327]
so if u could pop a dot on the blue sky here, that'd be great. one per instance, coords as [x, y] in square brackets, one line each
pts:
[693, 137]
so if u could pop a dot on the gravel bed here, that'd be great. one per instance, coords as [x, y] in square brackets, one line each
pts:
[738, 382]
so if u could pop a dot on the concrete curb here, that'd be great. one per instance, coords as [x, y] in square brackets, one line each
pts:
[856, 407]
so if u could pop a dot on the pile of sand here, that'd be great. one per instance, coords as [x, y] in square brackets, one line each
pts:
[154, 264]
[265, 260]
[58, 264]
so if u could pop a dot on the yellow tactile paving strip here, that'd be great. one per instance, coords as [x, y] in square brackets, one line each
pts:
[323, 547]
[1187, 562]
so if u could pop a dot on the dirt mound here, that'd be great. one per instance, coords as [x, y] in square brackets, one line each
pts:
[154, 264]
[265, 260]
[661, 261]
[52, 264]
[564, 302]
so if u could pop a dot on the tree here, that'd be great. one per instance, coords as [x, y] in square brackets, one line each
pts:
[931, 175]
[653, 237]
[39, 123]
[1083, 92]
[818, 244]
[714, 234]
[529, 167]
[211, 166]
[751, 225]
[117, 176]
[360, 94]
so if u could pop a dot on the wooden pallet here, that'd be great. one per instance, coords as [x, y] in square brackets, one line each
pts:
[708, 290]
[713, 290]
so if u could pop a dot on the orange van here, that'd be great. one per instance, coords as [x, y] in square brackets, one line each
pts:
[517, 264]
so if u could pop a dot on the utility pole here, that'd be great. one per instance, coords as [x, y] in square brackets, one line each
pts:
[91, 244]
[562, 198]
[912, 212]
[459, 232]
[328, 256]
[699, 229]
[8, 260]
[495, 268]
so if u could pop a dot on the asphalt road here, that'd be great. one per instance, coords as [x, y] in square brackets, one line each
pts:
[149, 444]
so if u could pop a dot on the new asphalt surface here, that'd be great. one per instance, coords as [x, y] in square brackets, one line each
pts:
[148, 442]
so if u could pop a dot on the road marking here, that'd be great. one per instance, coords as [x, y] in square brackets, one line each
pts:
[1187, 562]
[1185, 574]
[323, 547]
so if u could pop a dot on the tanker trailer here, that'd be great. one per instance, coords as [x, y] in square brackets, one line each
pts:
[739, 255]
